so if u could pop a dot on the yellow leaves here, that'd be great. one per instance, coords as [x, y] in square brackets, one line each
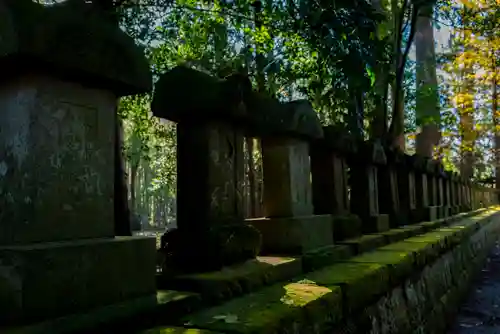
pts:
[462, 99]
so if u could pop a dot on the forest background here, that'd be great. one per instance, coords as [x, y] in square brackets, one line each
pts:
[420, 75]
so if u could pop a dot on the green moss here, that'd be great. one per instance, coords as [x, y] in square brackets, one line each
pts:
[365, 243]
[423, 253]
[325, 257]
[396, 234]
[400, 263]
[274, 309]
[428, 226]
[360, 282]
[235, 280]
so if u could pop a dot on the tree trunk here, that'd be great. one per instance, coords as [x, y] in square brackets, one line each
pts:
[428, 117]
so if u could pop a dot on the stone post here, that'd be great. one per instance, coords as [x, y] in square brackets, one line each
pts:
[364, 164]
[439, 168]
[290, 226]
[63, 68]
[392, 188]
[209, 171]
[447, 193]
[434, 211]
[458, 193]
[426, 195]
[329, 182]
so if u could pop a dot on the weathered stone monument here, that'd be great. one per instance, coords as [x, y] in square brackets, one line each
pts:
[210, 113]
[290, 226]
[330, 181]
[62, 69]
[364, 166]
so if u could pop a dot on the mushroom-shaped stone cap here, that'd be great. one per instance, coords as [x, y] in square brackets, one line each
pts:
[299, 118]
[270, 117]
[338, 139]
[73, 40]
[186, 94]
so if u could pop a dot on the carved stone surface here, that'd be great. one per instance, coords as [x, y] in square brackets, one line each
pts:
[209, 175]
[287, 178]
[56, 158]
[329, 182]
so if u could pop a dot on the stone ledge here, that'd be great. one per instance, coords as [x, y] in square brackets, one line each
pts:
[235, 280]
[130, 314]
[362, 280]
[44, 276]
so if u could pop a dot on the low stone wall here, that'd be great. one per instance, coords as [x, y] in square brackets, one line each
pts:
[406, 280]
[409, 286]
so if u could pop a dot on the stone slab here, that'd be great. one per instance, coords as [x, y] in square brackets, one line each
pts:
[376, 223]
[364, 243]
[294, 235]
[346, 226]
[325, 256]
[56, 158]
[44, 280]
[397, 234]
[235, 280]
[297, 307]
[133, 314]
[431, 213]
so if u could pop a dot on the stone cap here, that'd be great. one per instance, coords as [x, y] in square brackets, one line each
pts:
[369, 152]
[73, 40]
[395, 156]
[183, 94]
[337, 138]
[268, 117]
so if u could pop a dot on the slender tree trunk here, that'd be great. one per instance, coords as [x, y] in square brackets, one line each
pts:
[428, 116]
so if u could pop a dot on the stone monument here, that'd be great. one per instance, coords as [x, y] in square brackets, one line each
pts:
[63, 68]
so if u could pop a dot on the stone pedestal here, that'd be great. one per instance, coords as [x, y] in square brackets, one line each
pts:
[50, 279]
[330, 186]
[209, 175]
[389, 195]
[364, 188]
[57, 244]
[63, 68]
[209, 172]
[290, 226]
[412, 202]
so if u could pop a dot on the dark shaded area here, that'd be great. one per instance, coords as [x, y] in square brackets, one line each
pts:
[480, 313]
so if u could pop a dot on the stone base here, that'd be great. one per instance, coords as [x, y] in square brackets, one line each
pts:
[130, 316]
[416, 216]
[45, 280]
[346, 227]
[446, 211]
[374, 224]
[397, 219]
[455, 210]
[432, 213]
[294, 235]
[232, 281]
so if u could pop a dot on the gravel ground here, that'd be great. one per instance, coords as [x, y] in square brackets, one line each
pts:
[480, 313]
